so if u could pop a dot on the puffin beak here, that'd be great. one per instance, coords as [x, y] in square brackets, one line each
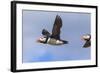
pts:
[82, 38]
[38, 41]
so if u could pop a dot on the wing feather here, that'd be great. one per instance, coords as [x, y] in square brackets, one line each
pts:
[56, 27]
[45, 32]
[87, 44]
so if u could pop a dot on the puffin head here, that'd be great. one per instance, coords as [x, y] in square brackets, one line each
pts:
[41, 39]
[86, 37]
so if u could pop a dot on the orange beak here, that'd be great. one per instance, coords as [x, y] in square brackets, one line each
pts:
[82, 38]
[38, 40]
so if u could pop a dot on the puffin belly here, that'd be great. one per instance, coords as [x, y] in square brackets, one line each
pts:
[52, 41]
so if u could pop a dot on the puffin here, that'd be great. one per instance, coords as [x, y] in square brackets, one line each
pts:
[87, 39]
[54, 37]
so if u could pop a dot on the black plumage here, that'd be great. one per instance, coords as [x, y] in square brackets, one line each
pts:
[45, 33]
[87, 41]
[56, 30]
[87, 44]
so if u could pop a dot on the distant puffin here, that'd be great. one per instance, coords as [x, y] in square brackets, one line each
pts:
[87, 38]
[54, 38]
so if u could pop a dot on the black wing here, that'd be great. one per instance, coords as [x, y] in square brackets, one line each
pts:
[56, 27]
[45, 32]
[87, 44]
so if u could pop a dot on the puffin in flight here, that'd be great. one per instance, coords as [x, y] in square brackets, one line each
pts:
[87, 39]
[54, 37]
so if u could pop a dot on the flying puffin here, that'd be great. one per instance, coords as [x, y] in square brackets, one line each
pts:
[87, 39]
[54, 37]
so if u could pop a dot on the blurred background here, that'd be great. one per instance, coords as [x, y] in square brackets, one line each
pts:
[75, 25]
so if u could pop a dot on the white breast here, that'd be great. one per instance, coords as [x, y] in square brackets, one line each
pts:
[48, 40]
[59, 42]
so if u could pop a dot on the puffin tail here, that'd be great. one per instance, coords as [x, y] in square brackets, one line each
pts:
[65, 42]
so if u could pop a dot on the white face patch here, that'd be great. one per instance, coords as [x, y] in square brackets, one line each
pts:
[42, 39]
[86, 37]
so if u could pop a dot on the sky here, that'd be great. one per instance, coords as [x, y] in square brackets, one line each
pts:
[75, 25]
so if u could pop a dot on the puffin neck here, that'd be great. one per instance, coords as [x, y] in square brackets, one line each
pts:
[46, 40]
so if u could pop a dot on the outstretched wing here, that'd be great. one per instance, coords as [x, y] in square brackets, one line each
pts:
[87, 44]
[56, 27]
[45, 32]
